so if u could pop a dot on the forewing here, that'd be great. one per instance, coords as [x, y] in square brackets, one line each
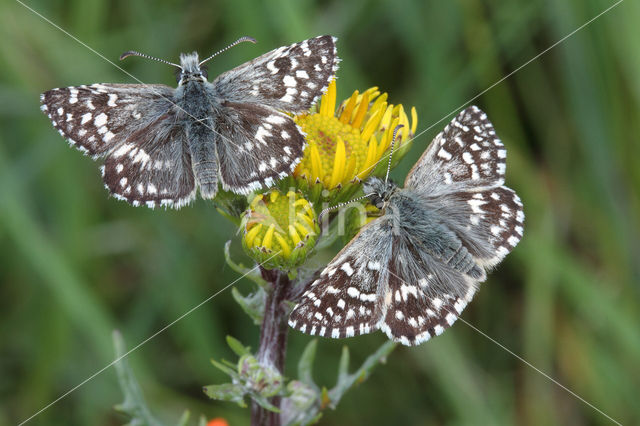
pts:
[136, 127]
[289, 78]
[466, 154]
[257, 145]
[97, 118]
[344, 301]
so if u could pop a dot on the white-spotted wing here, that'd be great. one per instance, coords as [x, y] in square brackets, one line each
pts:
[134, 127]
[161, 144]
[411, 272]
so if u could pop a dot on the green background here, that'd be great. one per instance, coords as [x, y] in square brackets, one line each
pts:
[76, 264]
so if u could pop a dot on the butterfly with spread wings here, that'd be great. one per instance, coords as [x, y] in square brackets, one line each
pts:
[412, 271]
[160, 144]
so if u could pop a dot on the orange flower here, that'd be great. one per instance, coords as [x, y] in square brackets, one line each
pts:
[218, 421]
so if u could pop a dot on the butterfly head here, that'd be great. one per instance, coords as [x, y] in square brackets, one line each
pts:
[379, 191]
[191, 69]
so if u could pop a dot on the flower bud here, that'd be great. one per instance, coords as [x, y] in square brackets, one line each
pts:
[279, 229]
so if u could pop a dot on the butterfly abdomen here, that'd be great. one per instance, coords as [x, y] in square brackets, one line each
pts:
[193, 99]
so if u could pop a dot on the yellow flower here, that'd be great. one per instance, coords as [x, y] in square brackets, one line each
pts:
[279, 229]
[347, 145]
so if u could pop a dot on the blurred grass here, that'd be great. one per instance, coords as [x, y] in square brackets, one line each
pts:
[75, 264]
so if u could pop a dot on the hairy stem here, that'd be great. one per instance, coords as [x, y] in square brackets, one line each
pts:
[273, 339]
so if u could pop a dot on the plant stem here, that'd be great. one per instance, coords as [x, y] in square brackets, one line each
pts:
[273, 339]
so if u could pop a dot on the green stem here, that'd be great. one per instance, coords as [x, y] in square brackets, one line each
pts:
[273, 340]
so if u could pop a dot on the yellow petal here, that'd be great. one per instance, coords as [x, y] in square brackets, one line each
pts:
[294, 235]
[362, 110]
[339, 160]
[386, 138]
[256, 200]
[378, 103]
[303, 230]
[404, 122]
[306, 220]
[251, 235]
[350, 169]
[371, 125]
[301, 202]
[273, 196]
[328, 102]
[414, 120]
[371, 158]
[386, 118]
[348, 109]
[267, 241]
[316, 162]
[371, 91]
[286, 250]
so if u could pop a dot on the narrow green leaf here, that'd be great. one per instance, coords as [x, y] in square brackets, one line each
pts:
[226, 392]
[237, 347]
[226, 369]
[264, 402]
[134, 404]
[184, 419]
[343, 367]
[250, 273]
[305, 365]
[252, 305]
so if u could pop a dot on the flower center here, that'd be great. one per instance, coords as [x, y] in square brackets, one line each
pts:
[336, 143]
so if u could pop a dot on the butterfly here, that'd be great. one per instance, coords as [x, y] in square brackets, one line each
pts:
[411, 271]
[160, 144]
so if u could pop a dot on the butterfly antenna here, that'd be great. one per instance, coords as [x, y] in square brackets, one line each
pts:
[238, 41]
[142, 55]
[393, 141]
[340, 205]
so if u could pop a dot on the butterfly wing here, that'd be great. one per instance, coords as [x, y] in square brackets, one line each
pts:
[267, 145]
[489, 222]
[423, 296]
[456, 185]
[428, 288]
[462, 176]
[343, 301]
[466, 154]
[289, 78]
[137, 128]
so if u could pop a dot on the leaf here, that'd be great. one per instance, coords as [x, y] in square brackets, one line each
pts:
[346, 381]
[252, 273]
[253, 304]
[184, 419]
[343, 367]
[238, 347]
[305, 365]
[226, 369]
[263, 402]
[226, 392]
[134, 404]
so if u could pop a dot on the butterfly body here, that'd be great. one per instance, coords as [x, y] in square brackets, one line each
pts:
[418, 224]
[162, 144]
[199, 108]
[411, 271]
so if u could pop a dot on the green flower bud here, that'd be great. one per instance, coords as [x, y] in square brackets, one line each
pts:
[265, 380]
[279, 230]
